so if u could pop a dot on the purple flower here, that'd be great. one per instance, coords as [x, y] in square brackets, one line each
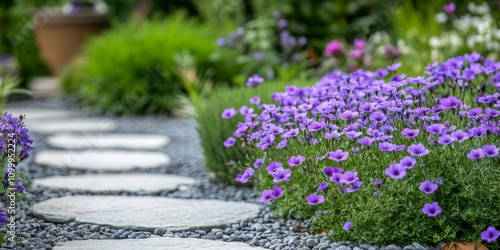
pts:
[475, 154]
[315, 126]
[329, 171]
[229, 142]
[323, 186]
[229, 113]
[273, 166]
[282, 143]
[243, 178]
[408, 162]
[418, 150]
[449, 8]
[394, 67]
[332, 48]
[428, 187]
[348, 115]
[366, 141]
[221, 42]
[258, 163]
[255, 100]
[281, 174]
[490, 235]
[477, 132]
[436, 129]
[356, 54]
[338, 155]
[254, 81]
[387, 147]
[359, 43]
[490, 151]
[336, 178]
[347, 226]
[291, 133]
[349, 177]
[267, 195]
[432, 209]
[354, 186]
[314, 199]
[378, 116]
[460, 135]
[450, 102]
[395, 171]
[244, 110]
[277, 192]
[296, 160]
[3, 218]
[377, 183]
[375, 194]
[282, 23]
[446, 139]
[353, 134]
[492, 112]
[19, 186]
[439, 181]
[410, 133]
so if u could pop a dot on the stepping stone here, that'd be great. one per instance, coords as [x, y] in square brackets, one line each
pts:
[116, 182]
[144, 212]
[157, 243]
[73, 125]
[130, 141]
[37, 113]
[111, 160]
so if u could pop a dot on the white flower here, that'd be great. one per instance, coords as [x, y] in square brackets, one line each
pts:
[434, 42]
[441, 17]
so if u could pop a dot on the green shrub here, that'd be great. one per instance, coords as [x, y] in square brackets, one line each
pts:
[221, 162]
[131, 68]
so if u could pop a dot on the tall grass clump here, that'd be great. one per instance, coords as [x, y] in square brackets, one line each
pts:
[381, 158]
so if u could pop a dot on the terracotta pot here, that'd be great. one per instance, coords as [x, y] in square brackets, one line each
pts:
[60, 35]
[464, 246]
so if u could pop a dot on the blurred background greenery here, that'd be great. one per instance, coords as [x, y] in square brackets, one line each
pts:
[163, 57]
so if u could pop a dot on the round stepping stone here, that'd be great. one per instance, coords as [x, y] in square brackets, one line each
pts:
[116, 182]
[143, 212]
[110, 160]
[36, 113]
[157, 243]
[130, 141]
[72, 125]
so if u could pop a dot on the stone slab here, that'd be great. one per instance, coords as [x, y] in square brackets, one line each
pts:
[116, 182]
[100, 140]
[72, 125]
[163, 243]
[38, 113]
[106, 160]
[144, 212]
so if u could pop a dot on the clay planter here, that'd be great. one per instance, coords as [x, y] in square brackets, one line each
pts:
[464, 246]
[60, 35]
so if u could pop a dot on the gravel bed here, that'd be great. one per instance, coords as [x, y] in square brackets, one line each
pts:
[185, 151]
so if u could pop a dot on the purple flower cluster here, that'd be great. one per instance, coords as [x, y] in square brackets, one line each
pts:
[14, 138]
[408, 119]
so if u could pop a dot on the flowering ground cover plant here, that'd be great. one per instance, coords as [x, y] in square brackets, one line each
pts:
[381, 158]
[15, 146]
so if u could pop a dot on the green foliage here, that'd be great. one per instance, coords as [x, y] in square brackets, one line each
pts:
[131, 68]
[9, 86]
[223, 163]
[322, 20]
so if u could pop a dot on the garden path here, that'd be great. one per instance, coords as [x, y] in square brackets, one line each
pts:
[90, 144]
